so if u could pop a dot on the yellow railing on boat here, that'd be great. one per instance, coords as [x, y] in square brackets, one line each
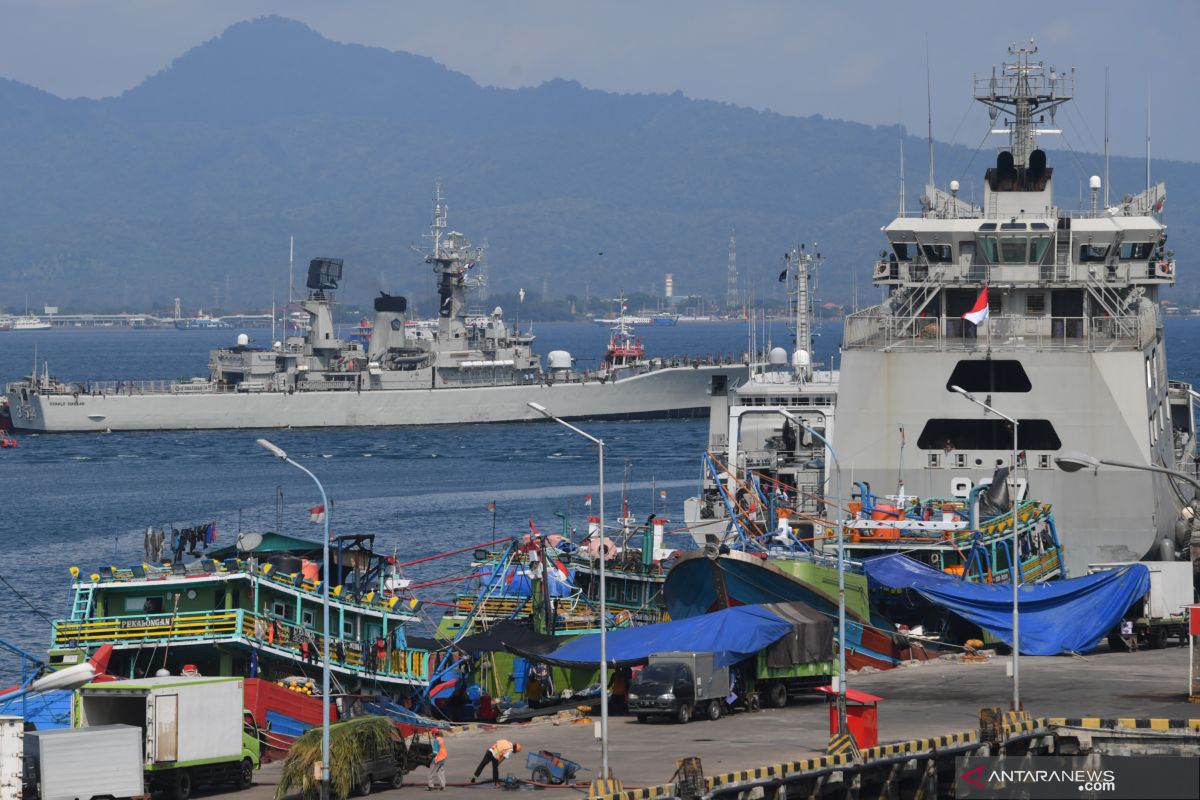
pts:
[195, 625]
[254, 629]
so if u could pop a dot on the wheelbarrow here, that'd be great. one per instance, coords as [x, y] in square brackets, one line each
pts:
[550, 767]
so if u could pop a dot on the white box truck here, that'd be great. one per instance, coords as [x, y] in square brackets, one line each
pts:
[82, 763]
[11, 757]
[1160, 614]
[195, 730]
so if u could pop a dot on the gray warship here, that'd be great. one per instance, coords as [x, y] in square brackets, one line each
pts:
[1048, 315]
[469, 370]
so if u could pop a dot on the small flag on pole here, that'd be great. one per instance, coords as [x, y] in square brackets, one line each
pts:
[492, 507]
[587, 501]
[662, 494]
[979, 313]
[316, 514]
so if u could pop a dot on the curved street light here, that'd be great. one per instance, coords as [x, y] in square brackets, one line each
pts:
[279, 453]
[1016, 573]
[545, 412]
[843, 727]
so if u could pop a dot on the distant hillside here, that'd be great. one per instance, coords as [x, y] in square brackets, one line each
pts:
[192, 182]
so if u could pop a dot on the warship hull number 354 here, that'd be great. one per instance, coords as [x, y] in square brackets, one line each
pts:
[470, 370]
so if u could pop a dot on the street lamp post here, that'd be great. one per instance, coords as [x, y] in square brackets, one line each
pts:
[843, 728]
[541, 409]
[283, 456]
[1015, 572]
[1071, 461]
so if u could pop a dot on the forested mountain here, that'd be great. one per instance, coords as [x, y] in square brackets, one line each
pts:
[190, 184]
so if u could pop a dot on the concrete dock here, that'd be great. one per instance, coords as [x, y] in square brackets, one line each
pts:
[925, 700]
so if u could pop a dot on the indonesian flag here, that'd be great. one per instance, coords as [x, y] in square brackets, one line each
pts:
[492, 506]
[587, 501]
[979, 313]
[316, 514]
[662, 494]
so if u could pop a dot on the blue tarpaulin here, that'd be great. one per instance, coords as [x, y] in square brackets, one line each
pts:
[732, 635]
[517, 581]
[1067, 616]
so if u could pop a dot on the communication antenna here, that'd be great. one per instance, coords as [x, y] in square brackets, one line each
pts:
[929, 110]
[902, 173]
[291, 269]
[1106, 137]
[1147, 138]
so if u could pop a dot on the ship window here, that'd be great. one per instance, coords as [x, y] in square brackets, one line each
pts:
[935, 460]
[988, 226]
[1012, 226]
[990, 375]
[1012, 249]
[905, 251]
[1037, 248]
[1039, 226]
[144, 605]
[1035, 303]
[989, 248]
[987, 434]
[937, 253]
[308, 618]
[1093, 252]
[1136, 251]
[279, 609]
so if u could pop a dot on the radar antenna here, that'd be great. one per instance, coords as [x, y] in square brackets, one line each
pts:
[1023, 87]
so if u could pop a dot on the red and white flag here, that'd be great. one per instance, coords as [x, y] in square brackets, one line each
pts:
[662, 494]
[979, 313]
[316, 514]
[587, 501]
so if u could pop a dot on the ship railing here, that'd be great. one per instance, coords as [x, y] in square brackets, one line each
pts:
[102, 389]
[340, 596]
[876, 330]
[253, 629]
[400, 663]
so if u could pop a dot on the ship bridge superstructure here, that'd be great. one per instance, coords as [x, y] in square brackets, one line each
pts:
[1071, 343]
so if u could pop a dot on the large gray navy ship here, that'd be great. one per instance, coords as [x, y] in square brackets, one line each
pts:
[1048, 315]
[469, 370]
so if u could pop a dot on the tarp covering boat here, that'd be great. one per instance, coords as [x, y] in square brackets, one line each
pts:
[1067, 616]
[508, 634]
[517, 580]
[732, 634]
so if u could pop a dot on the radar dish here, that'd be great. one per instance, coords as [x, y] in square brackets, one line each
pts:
[324, 273]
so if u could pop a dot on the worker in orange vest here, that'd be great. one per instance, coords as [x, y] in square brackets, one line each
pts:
[499, 751]
[437, 770]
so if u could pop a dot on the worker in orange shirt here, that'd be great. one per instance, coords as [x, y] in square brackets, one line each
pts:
[500, 750]
[437, 770]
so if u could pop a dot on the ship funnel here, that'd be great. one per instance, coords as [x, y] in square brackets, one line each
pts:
[388, 331]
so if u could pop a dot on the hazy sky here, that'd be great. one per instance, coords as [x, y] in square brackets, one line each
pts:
[862, 61]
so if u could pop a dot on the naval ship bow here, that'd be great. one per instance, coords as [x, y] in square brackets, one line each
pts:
[1050, 315]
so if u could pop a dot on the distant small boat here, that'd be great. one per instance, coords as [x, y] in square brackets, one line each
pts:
[29, 323]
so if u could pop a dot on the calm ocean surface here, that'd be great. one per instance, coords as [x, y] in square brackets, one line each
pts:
[86, 499]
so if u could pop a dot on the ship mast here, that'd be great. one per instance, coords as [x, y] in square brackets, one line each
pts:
[1023, 88]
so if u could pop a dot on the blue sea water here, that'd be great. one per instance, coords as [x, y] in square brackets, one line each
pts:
[75, 499]
[86, 499]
